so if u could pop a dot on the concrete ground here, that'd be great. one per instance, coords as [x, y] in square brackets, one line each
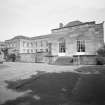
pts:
[14, 70]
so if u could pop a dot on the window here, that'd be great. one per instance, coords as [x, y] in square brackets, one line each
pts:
[41, 43]
[62, 46]
[23, 50]
[11, 45]
[27, 44]
[31, 44]
[47, 43]
[80, 46]
[46, 49]
[23, 43]
[50, 48]
[31, 50]
[36, 44]
[28, 51]
[14, 44]
[41, 50]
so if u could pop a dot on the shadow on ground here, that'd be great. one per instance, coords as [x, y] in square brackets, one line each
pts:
[64, 88]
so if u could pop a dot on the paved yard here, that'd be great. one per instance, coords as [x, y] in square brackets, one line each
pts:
[14, 71]
[24, 70]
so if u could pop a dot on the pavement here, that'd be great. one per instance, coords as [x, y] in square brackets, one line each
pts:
[16, 70]
[13, 71]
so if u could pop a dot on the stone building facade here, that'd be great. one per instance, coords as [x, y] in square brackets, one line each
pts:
[20, 45]
[73, 43]
[2, 47]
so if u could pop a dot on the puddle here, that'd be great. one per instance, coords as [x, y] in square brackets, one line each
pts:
[36, 97]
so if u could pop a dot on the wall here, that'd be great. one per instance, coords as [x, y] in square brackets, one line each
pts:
[27, 57]
[13, 46]
[91, 33]
[84, 60]
[26, 45]
[93, 40]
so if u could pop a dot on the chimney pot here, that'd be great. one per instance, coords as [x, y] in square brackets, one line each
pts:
[60, 25]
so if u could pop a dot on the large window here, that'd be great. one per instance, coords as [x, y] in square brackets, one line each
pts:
[46, 43]
[31, 50]
[23, 43]
[62, 46]
[27, 44]
[41, 43]
[23, 50]
[31, 44]
[28, 51]
[35, 44]
[80, 46]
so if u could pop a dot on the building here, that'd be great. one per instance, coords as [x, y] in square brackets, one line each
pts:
[73, 43]
[19, 45]
[2, 47]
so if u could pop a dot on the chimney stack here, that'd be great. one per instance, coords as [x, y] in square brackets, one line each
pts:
[60, 25]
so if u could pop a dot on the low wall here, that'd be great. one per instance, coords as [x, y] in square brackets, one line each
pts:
[27, 57]
[41, 58]
[35, 58]
[85, 59]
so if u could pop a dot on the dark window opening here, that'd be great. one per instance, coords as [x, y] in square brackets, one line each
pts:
[62, 46]
[80, 46]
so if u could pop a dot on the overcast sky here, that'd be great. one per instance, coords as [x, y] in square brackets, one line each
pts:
[38, 17]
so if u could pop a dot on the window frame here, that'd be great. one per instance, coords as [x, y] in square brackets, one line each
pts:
[62, 45]
[81, 46]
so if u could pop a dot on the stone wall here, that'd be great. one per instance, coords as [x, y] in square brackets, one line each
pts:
[91, 33]
[84, 60]
[94, 39]
[93, 36]
[27, 57]
[40, 57]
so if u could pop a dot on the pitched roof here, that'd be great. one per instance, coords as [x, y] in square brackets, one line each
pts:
[48, 36]
[19, 37]
[41, 37]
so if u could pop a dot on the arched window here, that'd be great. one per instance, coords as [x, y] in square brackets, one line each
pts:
[62, 46]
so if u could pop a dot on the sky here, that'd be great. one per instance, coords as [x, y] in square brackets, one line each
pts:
[37, 17]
